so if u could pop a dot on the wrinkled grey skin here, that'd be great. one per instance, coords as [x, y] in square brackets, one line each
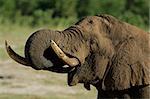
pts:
[113, 56]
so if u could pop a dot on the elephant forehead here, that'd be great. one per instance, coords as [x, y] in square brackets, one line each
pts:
[91, 24]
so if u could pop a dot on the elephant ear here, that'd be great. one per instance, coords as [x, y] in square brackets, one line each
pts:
[128, 67]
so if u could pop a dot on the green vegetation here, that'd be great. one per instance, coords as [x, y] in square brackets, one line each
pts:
[65, 12]
[15, 33]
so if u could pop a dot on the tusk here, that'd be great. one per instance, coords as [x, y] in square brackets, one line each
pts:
[16, 57]
[70, 61]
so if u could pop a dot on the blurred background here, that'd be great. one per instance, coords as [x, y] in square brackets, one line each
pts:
[20, 18]
[62, 13]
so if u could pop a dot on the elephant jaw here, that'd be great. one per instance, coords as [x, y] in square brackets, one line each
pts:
[73, 79]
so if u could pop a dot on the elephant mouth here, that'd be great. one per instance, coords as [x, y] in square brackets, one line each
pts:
[73, 78]
[58, 69]
[58, 65]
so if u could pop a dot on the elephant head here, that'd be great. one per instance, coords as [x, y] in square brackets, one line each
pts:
[99, 50]
[118, 57]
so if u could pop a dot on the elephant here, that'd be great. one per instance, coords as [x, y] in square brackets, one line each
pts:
[100, 50]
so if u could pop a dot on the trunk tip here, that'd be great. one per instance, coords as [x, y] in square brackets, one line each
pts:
[6, 44]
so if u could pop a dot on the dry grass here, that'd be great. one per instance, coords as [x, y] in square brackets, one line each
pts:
[19, 81]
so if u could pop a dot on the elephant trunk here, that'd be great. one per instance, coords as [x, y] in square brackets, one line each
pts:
[41, 52]
[17, 57]
[38, 50]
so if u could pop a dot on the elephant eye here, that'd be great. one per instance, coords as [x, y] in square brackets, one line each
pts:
[90, 21]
